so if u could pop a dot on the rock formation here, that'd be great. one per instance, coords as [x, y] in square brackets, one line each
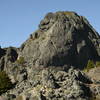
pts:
[48, 65]
[62, 38]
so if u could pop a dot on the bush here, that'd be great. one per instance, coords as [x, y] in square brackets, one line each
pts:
[21, 60]
[98, 64]
[5, 82]
[90, 65]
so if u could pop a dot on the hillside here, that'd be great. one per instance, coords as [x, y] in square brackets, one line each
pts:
[50, 64]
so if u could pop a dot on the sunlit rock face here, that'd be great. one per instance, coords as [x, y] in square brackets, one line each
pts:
[62, 38]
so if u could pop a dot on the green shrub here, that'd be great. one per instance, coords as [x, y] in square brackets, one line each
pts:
[5, 82]
[21, 60]
[98, 64]
[90, 65]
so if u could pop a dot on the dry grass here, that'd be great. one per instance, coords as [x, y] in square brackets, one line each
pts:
[68, 13]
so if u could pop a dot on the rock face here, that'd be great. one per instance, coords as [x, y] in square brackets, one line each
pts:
[62, 38]
[47, 65]
[94, 73]
[7, 56]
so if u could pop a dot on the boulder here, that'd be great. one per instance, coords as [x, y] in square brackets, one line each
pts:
[48, 79]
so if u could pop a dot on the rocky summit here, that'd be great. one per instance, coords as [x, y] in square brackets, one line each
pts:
[50, 64]
[62, 38]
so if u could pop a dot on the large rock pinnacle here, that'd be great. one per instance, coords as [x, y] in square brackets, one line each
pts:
[62, 38]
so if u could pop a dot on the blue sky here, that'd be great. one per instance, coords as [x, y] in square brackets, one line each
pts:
[19, 18]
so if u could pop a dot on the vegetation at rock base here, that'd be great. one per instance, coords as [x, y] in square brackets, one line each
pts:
[98, 64]
[90, 65]
[21, 60]
[5, 82]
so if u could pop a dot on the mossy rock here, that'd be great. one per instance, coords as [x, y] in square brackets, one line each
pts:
[68, 13]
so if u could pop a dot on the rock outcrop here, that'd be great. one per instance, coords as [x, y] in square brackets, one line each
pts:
[47, 65]
[62, 38]
[7, 56]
